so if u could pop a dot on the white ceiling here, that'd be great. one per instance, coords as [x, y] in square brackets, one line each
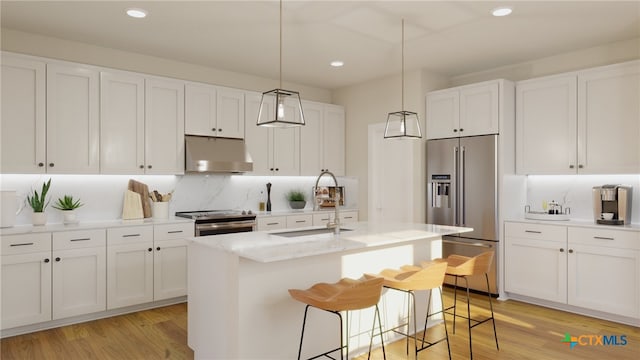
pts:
[449, 37]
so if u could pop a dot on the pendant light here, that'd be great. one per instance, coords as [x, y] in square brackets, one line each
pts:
[402, 124]
[279, 107]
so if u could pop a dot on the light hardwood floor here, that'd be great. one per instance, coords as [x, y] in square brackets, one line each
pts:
[524, 332]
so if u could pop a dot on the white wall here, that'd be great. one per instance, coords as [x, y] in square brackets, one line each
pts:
[102, 195]
[38, 45]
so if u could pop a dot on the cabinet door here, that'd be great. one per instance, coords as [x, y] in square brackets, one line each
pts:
[26, 289]
[79, 281]
[200, 110]
[443, 114]
[546, 123]
[230, 113]
[479, 109]
[170, 269]
[23, 115]
[73, 126]
[333, 140]
[164, 126]
[121, 123]
[348, 217]
[609, 120]
[257, 137]
[285, 145]
[129, 266]
[536, 261]
[312, 139]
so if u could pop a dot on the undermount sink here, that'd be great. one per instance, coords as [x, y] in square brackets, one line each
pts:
[297, 233]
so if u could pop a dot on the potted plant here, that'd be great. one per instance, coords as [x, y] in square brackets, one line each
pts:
[68, 205]
[297, 199]
[38, 203]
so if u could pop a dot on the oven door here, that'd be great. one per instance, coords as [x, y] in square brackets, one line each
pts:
[229, 227]
[471, 248]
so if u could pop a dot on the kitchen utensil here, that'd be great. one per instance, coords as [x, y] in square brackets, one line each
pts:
[268, 196]
[10, 208]
[132, 206]
[143, 190]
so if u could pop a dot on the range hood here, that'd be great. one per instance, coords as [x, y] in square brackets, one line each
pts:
[216, 155]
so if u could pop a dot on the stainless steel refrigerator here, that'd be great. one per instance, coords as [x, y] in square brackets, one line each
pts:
[462, 190]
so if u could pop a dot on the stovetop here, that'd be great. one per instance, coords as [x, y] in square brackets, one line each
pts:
[216, 214]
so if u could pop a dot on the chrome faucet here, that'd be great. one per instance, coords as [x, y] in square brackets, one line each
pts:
[335, 225]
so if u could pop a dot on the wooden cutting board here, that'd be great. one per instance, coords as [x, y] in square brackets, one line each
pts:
[143, 190]
[132, 206]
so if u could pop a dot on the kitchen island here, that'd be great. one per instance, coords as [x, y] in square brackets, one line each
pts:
[239, 306]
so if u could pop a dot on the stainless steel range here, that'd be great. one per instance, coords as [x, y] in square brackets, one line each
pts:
[216, 222]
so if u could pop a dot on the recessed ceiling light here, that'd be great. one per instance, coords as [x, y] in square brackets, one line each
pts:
[137, 13]
[501, 11]
[337, 63]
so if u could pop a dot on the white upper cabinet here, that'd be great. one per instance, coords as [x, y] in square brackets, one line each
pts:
[121, 123]
[468, 110]
[214, 111]
[586, 122]
[164, 126]
[609, 119]
[23, 145]
[322, 139]
[274, 151]
[546, 125]
[73, 123]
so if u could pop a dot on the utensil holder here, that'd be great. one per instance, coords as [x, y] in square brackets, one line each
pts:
[160, 210]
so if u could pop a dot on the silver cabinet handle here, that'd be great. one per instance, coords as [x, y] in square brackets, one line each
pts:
[603, 238]
[82, 239]
[22, 244]
[275, 223]
[174, 232]
[301, 221]
[130, 235]
[533, 232]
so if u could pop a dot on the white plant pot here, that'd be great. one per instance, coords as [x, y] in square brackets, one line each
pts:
[69, 216]
[39, 218]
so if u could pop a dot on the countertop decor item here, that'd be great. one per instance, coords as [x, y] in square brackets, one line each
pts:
[38, 203]
[68, 205]
[132, 206]
[268, 196]
[160, 204]
[402, 124]
[272, 106]
[143, 190]
[297, 199]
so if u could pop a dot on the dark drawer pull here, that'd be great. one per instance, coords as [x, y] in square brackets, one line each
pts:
[301, 221]
[348, 217]
[130, 235]
[174, 232]
[23, 244]
[533, 232]
[273, 223]
[83, 239]
[603, 238]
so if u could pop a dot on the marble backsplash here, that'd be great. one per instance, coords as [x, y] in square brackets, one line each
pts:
[575, 191]
[102, 195]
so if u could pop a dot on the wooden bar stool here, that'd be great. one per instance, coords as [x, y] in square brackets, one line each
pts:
[463, 267]
[408, 280]
[345, 295]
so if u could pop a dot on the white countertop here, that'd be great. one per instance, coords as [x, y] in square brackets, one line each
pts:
[579, 223]
[263, 246]
[26, 229]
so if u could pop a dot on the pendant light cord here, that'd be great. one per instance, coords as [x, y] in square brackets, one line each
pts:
[402, 92]
[280, 45]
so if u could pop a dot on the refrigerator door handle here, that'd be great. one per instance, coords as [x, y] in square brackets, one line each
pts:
[456, 187]
[463, 209]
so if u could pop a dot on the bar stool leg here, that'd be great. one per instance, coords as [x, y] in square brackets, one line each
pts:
[469, 318]
[373, 328]
[304, 322]
[455, 302]
[493, 319]
[446, 332]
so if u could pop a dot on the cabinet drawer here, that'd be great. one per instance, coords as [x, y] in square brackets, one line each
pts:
[173, 231]
[322, 218]
[605, 237]
[78, 239]
[348, 217]
[129, 235]
[271, 223]
[26, 243]
[535, 231]
[296, 221]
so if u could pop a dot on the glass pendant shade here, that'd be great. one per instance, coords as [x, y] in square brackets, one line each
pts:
[402, 125]
[280, 108]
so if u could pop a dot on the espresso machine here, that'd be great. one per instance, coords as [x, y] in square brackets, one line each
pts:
[612, 204]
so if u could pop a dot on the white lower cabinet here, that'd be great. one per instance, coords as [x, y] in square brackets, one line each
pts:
[345, 217]
[298, 221]
[26, 279]
[129, 266]
[79, 273]
[271, 223]
[170, 260]
[591, 268]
